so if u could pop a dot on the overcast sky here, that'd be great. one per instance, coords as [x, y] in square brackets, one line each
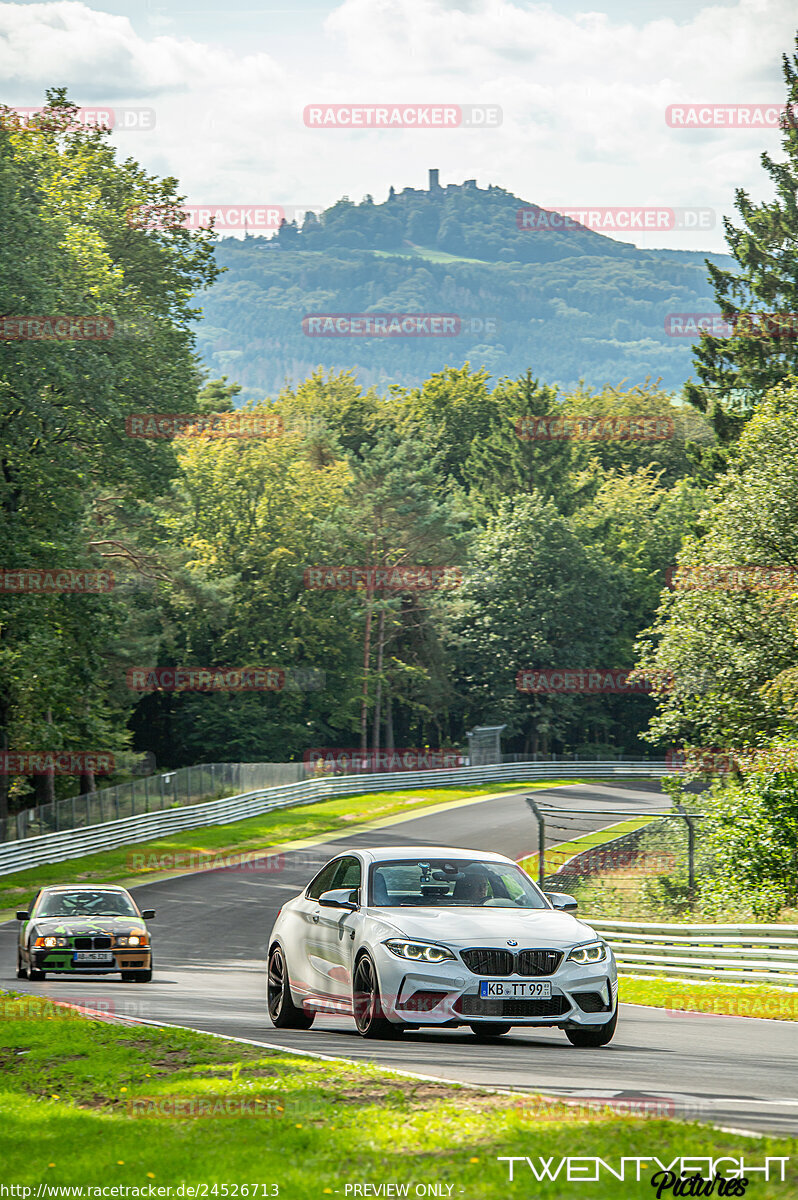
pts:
[583, 90]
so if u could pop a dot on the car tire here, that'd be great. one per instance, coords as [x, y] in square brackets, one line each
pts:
[22, 972]
[593, 1035]
[366, 1003]
[490, 1029]
[283, 1013]
[35, 975]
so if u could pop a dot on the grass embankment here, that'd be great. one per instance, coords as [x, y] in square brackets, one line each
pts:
[75, 1092]
[685, 997]
[557, 856]
[270, 830]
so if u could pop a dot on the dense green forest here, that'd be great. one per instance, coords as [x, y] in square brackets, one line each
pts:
[558, 550]
[575, 305]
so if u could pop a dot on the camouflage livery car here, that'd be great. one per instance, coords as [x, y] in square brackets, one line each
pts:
[84, 931]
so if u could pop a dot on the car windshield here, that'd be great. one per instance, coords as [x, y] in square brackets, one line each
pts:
[452, 883]
[84, 903]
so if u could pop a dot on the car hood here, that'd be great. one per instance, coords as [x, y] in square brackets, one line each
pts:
[487, 926]
[90, 925]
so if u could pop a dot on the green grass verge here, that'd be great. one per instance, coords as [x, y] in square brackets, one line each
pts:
[712, 998]
[557, 856]
[75, 1092]
[254, 833]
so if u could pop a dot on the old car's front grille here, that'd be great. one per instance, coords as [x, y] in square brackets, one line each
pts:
[539, 962]
[503, 962]
[95, 943]
[475, 1006]
[489, 962]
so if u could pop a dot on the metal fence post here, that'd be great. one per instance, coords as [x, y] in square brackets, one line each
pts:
[541, 840]
[690, 849]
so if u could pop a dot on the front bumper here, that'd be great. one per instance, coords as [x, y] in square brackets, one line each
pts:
[125, 958]
[448, 994]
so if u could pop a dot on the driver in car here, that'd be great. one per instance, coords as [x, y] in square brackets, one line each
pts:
[472, 889]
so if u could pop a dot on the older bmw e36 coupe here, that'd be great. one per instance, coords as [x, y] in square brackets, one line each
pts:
[88, 930]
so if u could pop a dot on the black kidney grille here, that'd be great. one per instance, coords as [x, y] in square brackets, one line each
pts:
[489, 962]
[95, 943]
[102, 943]
[503, 962]
[475, 1006]
[83, 943]
[539, 962]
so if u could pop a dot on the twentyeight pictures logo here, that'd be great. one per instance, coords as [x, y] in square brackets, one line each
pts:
[402, 116]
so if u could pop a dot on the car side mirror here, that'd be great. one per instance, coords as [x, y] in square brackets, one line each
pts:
[22, 915]
[147, 913]
[563, 901]
[339, 898]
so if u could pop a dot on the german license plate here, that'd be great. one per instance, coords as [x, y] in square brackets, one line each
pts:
[95, 956]
[507, 989]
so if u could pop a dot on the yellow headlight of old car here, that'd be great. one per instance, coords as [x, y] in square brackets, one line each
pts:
[139, 938]
[50, 941]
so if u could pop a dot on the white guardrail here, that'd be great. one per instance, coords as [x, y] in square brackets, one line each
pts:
[737, 953]
[73, 843]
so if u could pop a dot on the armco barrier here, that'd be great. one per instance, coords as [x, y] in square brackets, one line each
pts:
[58, 847]
[737, 953]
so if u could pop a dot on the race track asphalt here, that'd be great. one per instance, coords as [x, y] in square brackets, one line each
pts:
[210, 939]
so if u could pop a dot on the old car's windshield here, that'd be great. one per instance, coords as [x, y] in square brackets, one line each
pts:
[447, 883]
[83, 903]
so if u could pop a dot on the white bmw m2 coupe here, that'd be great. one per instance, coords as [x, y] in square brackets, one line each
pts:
[405, 936]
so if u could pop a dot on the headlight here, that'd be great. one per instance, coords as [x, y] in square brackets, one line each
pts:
[50, 941]
[132, 939]
[419, 951]
[594, 952]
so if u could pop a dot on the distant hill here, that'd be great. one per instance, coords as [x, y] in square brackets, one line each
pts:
[569, 304]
